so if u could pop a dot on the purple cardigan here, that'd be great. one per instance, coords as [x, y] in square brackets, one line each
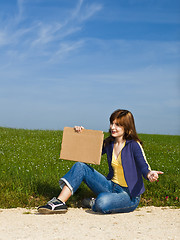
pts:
[134, 165]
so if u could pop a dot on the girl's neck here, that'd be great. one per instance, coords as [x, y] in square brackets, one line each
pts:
[119, 140]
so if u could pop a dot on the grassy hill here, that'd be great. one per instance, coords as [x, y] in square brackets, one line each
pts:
[30, 168]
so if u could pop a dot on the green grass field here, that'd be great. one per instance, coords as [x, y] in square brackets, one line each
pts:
[30, 169]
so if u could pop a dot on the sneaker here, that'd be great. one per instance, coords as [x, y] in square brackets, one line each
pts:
[53, 206]
[88, 202]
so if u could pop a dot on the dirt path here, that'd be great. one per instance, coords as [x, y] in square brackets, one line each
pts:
[80, 224]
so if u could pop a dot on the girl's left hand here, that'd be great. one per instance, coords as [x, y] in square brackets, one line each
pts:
[78, 128]
[153, 175]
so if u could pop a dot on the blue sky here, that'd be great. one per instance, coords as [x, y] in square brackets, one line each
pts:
[73, 62]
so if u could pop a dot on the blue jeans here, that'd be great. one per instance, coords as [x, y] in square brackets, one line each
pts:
[111, 197]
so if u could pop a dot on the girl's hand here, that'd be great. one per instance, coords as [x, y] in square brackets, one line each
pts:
[78, 128]
[153, 175]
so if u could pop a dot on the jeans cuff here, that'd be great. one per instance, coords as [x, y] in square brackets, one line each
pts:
[63, 182]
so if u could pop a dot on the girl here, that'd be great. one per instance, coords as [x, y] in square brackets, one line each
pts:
[120, 191]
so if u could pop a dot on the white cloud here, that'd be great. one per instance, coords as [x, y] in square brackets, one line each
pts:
[65, 48]
[19, 16]
[25, 35]
[76, 11]
[89, 11]
[46, 33]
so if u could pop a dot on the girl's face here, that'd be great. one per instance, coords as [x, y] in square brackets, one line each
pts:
[116, 129]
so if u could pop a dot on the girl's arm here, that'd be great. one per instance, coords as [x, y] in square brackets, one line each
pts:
[143, 164]
[140, 159]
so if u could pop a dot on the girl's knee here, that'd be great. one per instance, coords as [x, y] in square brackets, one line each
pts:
[102, 203]
[79, 164]
[106, 203]
[83, 166]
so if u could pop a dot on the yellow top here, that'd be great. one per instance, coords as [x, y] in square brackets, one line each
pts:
[118, 170]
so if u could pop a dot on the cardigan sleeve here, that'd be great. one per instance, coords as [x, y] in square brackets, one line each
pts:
[103, 148]
[140, 159]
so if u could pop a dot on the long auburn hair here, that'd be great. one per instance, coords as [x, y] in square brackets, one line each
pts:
[125, 119]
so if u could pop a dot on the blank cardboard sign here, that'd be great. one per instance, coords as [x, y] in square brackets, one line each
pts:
[85, 146]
